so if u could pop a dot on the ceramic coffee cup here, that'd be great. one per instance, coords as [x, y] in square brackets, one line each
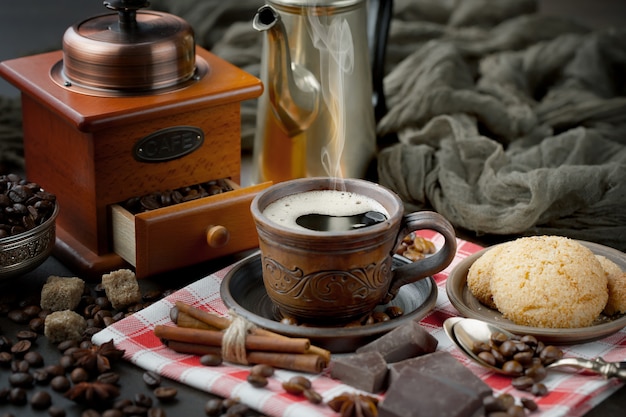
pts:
[332, 277]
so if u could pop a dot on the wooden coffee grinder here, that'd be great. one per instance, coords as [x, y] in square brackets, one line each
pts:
[131, 106]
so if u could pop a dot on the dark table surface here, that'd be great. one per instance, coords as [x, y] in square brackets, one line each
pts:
[189, 401]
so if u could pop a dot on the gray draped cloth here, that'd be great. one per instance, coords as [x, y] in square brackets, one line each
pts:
[508, 122]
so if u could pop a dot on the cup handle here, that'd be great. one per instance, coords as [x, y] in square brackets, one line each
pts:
[426, 267]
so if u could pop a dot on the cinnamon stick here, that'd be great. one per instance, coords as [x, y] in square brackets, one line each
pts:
[218, 322]
[212, 320]
[214, 338]
[185, 320]
[291, 361]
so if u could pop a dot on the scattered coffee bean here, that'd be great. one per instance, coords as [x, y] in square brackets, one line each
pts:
[112, 412]
[56, 411]
[108, 378]
[60, 383]
[41, 400]
[262, 369]
[142, 400]
[17, 396]
[21, 379]
[90, 412]
[257, 380]
[211, 360]
[21, 347]
[165, 394]
[156, 412]
[213, 407]
[34, 358]
[79, 375]
[151, 379]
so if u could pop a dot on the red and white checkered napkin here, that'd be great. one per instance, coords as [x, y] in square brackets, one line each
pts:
[569, 394]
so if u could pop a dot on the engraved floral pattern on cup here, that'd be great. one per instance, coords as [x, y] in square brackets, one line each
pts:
[321, 286]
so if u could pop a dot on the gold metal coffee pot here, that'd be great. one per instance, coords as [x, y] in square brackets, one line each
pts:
[317, 115]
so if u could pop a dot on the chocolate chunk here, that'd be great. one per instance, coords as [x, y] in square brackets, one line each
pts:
[416, 394]
[366, 371]
[444, 365]
[403, 342]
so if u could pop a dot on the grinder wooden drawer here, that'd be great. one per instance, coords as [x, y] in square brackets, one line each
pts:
[187, 233]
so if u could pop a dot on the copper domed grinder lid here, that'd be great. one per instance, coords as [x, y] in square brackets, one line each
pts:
[129, 52]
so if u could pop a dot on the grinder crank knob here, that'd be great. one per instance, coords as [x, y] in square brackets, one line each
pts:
[217, 236]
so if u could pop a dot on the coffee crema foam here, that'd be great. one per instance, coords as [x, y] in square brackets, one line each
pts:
[286, 210]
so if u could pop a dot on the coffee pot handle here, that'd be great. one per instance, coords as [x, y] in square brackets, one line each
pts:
[414, 271]
[378, 22]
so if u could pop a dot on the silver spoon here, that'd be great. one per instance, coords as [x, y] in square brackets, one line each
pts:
[466, 333]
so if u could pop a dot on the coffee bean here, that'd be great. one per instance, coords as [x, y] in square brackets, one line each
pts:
[21, 379]
[21, 347]
[41, 376]
[5, 359]
[257, 380]
[5, 344]
[20, 366]
[151, 379]
[90, 412]
[66, 344]
[213, 407]
[522, 383]
[142, 400]
[55, 370]
[109, 378]
[262, 369]
[113, 412]
[37, 324]
[34, 358]
[67, 362]
[165, 393]
[211, 360]
[529, 404]
[134, 410]
[32, 310]
[56, 411]
[41, 400]
[79, 375]
[60, 383]
[539, 389]
[156, 412]
[17, 396]
[120, 403]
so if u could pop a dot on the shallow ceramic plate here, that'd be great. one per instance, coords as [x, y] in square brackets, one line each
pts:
[242, 291]
[462, 299]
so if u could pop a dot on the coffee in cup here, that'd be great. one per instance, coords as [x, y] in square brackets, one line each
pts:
[332, 275]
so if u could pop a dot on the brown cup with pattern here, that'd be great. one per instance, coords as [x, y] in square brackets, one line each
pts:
[333, 277]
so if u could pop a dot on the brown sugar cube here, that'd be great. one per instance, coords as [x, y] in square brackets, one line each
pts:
[64, 325]
[366, 371]
[61, 293]
[122, 288]
[444, 365]
[403, 342]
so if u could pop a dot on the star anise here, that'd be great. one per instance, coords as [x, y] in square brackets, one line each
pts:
[92, 392]
[97, 358]
[354, 405]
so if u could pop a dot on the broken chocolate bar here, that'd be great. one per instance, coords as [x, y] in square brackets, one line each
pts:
[403, 342]
[416, 394]
[366, 371]
[444, 365]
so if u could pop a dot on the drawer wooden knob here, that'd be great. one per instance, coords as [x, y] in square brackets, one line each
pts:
[217, 236]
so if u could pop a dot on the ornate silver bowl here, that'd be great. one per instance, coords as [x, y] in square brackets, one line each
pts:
[24, 252]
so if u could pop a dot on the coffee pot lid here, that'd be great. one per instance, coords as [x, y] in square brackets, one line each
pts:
[129, 51]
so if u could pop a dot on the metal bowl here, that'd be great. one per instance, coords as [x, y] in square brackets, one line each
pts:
[24, 252]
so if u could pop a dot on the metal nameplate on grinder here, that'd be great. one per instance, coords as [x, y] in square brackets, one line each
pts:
[168, 144]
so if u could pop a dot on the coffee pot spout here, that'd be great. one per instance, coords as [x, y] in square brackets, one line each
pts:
[293, 91]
